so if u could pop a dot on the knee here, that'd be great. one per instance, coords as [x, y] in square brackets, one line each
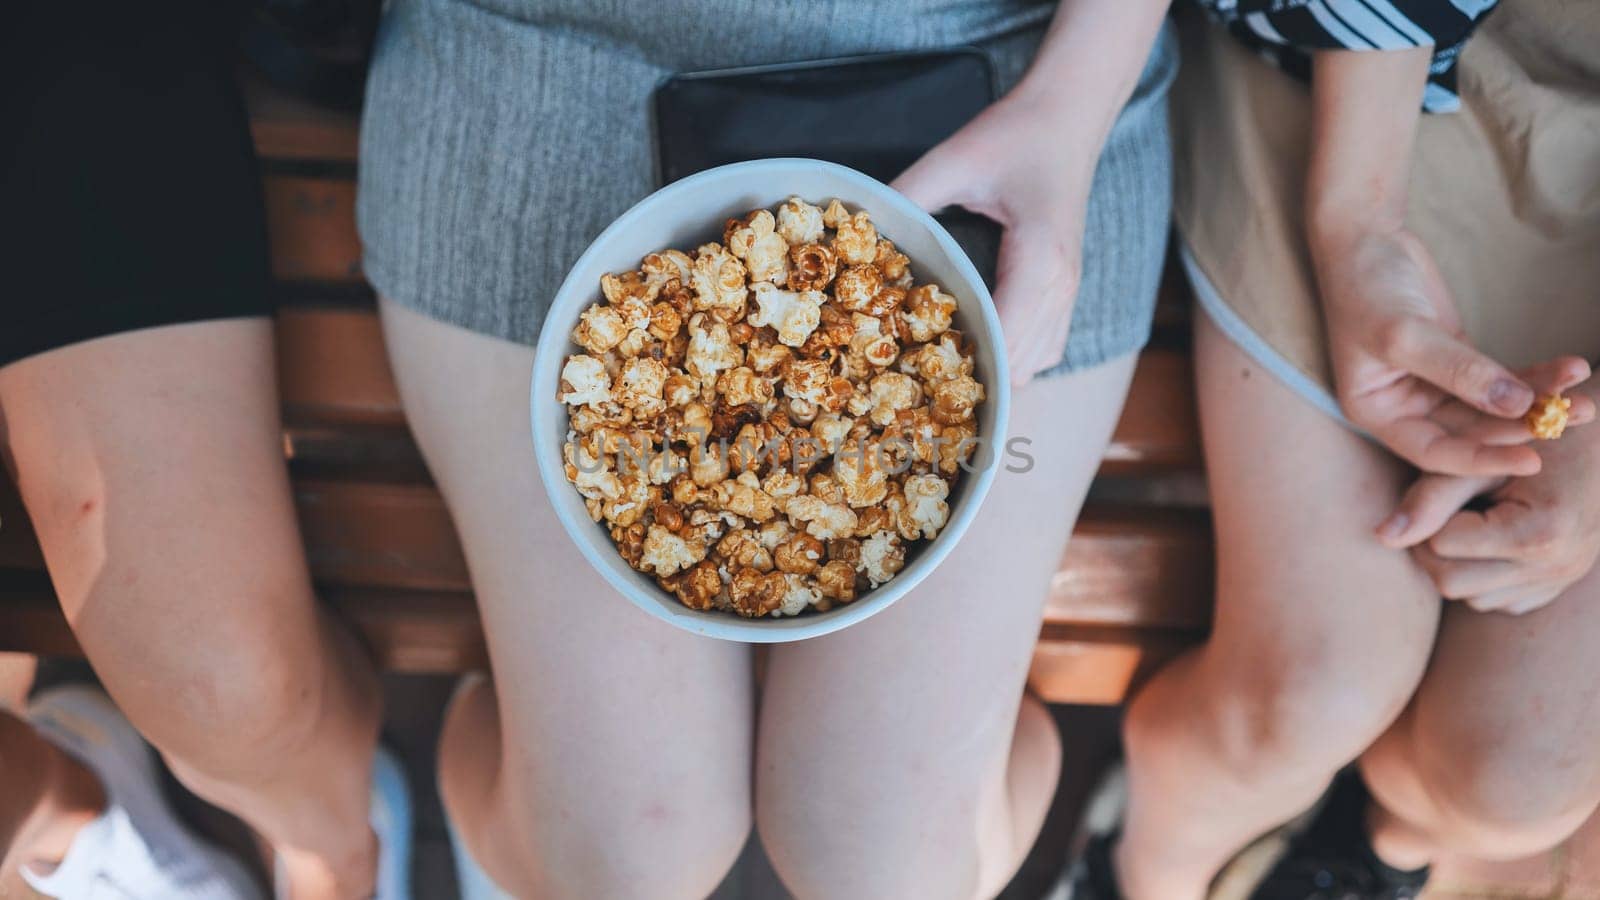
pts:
[239, 713]
[1506, 799]
[1314, 709]
[658, 842]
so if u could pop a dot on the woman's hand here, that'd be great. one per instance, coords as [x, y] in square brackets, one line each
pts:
[1537, 536]
[1008, 165]
[1027, 162]
[1400, 359]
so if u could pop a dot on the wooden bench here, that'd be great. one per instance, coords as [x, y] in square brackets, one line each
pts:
[1133, 586]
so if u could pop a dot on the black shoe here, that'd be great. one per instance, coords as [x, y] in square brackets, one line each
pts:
[1333, 858]
[1091, 876]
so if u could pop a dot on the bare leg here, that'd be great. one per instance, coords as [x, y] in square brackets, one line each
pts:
[1320, 637]
[612, 756]
[893, 761]
[151, 465]
[1495, 756]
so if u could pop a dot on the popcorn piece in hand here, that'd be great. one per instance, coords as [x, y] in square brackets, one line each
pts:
[819, 517]
[719, 283]
[925, 509]
[928, 312]
[811, 267]
[954, 399]
[799, 222]
[666, 553]
[599, 329]
[882, 555]
[584, 381]
[1547, 418]
[755, 594]
[765, 253]
[794, 314]
[854, 239]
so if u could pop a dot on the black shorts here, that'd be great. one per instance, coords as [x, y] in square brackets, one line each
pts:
[129, 190]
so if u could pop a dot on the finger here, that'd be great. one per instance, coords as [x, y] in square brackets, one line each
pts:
[1553, 376]
[938, 181]
[1421, 347]
[1464, 421]
[1424, 444]
[1427, 505]
[1503, 531]
[1034, 292]
[1463, 579]
[1520, 602]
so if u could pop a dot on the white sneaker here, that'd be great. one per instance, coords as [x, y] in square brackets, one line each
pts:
[137, 849]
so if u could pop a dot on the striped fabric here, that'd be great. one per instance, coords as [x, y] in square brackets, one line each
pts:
[1286, 31]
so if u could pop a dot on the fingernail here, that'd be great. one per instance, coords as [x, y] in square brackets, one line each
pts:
[1510, 397]
[1394, 526]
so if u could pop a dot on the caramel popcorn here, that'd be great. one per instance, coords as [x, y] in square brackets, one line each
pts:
[793, 314]
[719, 283]
[1547, 419]
[769, 425]
[765, 252]
[799, 222]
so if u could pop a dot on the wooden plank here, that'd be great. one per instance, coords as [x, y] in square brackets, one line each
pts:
[288, 127]
[380, 535]
[439, 632]
[332, 366]
[1100, 665]
[1135, 566]
[311, 228]
[1159, 428]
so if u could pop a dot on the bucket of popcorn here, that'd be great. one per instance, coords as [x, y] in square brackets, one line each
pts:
[768, 400]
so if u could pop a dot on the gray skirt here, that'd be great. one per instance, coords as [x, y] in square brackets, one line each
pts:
[501, 136]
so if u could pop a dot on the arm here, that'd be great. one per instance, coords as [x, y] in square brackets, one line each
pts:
[1027, 163]
[1402, 367]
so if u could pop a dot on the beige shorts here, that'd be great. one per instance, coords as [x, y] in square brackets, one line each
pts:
[1506, 192]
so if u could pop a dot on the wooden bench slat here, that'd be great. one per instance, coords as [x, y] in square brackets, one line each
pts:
[288, 127]
[311, 228]
[439, 632]
[332, 367]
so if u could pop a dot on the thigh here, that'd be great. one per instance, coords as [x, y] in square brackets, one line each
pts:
[606, 711]
[908, 716]
[151, 464]
[1315, 620]
[1511, 705]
